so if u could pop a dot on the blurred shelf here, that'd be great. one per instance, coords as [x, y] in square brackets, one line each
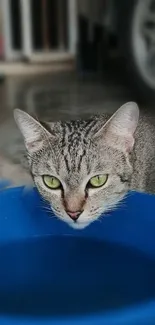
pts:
[54, 56]
[35, 67]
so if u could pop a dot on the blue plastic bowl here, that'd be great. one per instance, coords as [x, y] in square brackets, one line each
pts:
[52, 274]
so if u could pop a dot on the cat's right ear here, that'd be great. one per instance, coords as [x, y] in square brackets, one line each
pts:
[33, 132]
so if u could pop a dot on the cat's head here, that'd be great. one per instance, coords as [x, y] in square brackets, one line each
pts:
[82, 168]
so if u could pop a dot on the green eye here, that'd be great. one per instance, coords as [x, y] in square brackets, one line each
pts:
[98, 181]
[51, 182]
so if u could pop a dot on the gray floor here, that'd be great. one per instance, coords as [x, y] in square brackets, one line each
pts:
[60, 96]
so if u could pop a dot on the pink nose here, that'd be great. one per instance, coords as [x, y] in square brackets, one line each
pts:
[74, 215]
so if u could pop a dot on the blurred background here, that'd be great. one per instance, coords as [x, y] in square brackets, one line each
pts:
[64, 59]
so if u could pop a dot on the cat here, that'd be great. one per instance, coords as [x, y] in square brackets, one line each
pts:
[84, 168]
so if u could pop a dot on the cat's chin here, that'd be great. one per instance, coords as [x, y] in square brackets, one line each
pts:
[79, 225]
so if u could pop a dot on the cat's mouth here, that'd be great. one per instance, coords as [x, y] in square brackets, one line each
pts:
[78, 223]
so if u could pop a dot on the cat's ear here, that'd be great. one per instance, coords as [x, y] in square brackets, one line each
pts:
[119, 130]
[33, 132]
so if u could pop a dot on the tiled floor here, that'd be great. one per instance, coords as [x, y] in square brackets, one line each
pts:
[59, 96]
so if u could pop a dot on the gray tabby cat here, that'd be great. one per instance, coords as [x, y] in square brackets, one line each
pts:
[84, 168]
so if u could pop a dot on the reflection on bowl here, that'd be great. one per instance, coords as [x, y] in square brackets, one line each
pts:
[65, 275]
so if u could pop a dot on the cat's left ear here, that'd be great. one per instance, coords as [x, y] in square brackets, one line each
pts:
[119, 130]
[33, 132]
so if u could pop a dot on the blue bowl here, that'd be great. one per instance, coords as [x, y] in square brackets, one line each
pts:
[52, 274]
